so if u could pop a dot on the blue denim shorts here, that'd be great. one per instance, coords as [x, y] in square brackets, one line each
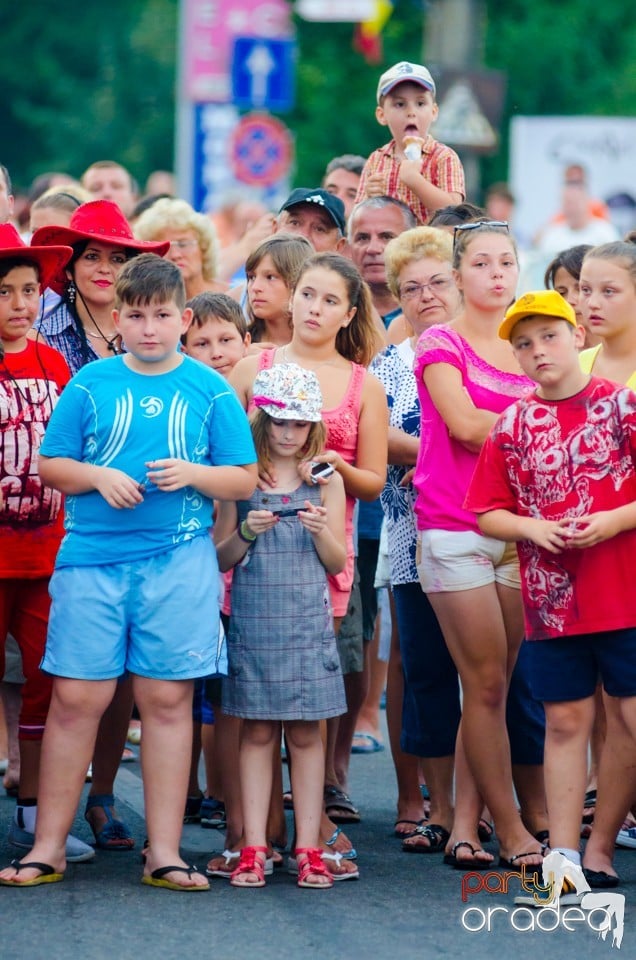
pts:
[157, 617]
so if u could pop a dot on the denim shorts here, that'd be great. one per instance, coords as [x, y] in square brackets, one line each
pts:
[450, 560]
[157, 617]
[568, 668]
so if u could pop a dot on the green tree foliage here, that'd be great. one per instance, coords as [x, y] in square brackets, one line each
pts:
[576, 57]
[86, 81]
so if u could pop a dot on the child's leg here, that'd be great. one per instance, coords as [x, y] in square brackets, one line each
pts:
[307, 772]
[165, 707]
[255, 764]
[226, 750]
[568, 728]
[276, 823]
[616, 782]
[258, 738]
[109, 745]
[11, 697]
[69, 738]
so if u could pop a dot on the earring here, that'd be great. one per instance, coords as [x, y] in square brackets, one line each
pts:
[71, 291]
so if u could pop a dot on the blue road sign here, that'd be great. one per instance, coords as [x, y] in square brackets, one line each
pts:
[263, 72]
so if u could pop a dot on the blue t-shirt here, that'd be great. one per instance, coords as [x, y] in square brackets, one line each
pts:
[111, 416]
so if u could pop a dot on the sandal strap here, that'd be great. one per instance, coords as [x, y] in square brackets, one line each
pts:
[312, 863]
[435, 832]
[250, 862]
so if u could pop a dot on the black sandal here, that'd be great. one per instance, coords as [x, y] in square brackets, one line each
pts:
[436, 835]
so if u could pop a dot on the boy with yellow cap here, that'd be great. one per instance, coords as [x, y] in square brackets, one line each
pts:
[557, 475]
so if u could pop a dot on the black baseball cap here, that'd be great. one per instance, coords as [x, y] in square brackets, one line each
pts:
[332, 204]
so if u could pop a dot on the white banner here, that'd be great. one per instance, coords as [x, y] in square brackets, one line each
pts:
[332, 10]
[541, 148]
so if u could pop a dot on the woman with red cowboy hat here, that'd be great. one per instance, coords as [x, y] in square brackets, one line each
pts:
[81, 328]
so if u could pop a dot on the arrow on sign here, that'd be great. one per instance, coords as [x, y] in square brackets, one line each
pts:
[259, 64]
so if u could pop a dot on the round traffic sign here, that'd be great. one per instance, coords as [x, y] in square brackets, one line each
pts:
[261, 150]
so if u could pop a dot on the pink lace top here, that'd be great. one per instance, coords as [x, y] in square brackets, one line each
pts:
[444, 466]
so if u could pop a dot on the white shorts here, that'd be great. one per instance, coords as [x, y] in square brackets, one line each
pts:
[449, 560]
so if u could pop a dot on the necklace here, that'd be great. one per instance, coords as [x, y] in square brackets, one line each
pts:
[323, 363]
[102, 336]
[111, 342]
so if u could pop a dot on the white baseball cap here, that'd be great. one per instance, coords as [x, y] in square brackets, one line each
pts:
[402, 72]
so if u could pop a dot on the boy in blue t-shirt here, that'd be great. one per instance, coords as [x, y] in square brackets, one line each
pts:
[140, 444]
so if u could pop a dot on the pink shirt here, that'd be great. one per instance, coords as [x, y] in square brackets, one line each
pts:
[342, 435]
[444, 466]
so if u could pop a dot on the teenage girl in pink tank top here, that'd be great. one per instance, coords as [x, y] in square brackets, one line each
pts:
[334, 335]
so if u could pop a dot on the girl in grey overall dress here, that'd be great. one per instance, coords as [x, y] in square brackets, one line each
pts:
[283, 659]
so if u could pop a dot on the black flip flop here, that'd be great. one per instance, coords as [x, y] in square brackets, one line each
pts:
[437, 837]
[600, 880]
[471, 863]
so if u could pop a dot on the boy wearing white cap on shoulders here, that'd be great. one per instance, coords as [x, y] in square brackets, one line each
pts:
[413, 167]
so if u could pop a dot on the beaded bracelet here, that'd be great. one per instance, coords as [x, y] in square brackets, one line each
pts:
[245, 534]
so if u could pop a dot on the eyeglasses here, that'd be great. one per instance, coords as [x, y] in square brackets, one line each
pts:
[476, 224]
[183, 244]
[437, 286]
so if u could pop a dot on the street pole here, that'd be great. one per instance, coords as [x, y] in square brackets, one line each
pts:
[453, 39]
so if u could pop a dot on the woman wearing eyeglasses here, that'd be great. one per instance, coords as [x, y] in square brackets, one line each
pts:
[193, 242]
[423, 707]
[466, 376]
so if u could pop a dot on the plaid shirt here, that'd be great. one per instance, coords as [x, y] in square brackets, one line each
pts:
[60, 332]
[440, 166]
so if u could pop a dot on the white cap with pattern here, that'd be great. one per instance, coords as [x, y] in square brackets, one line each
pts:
[288, 392]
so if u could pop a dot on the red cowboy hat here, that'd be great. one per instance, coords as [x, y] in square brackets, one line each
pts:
[50, 260]
[100, 220]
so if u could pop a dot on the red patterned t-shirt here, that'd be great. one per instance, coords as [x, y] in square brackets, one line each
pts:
[31, 527]
[567, 458]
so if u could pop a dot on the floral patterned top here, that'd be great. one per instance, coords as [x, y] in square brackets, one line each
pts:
[394, 370]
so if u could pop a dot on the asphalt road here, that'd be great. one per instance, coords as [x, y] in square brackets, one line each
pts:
[402, 908]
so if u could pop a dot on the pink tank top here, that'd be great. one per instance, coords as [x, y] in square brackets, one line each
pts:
[342, 436]
[341, 421]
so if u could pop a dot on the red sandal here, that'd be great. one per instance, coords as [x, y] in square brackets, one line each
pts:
[250, 862]
[312, 866]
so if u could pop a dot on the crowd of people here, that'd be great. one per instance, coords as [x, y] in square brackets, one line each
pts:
[259, 468]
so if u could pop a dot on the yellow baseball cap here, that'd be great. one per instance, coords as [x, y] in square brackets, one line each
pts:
[542, 303]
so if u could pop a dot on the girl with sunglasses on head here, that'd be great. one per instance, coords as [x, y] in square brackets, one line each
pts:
[466, 376]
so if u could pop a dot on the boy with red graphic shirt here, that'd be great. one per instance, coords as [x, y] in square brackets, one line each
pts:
[32, 377]
[558, 476]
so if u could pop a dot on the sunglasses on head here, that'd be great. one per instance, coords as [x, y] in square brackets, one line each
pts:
[476, 224]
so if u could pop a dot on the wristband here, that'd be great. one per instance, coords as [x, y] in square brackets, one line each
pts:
[245, 534]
